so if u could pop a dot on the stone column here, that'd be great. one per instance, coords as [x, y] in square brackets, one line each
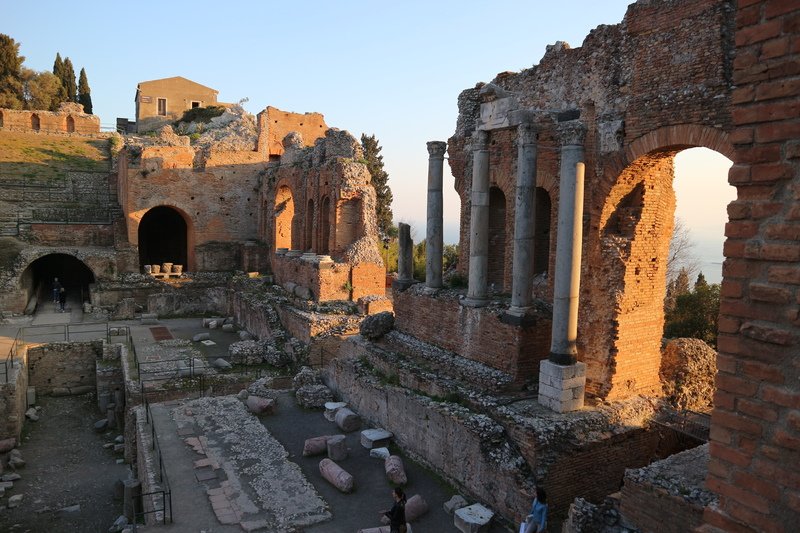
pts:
[562, 379]
[524, 216]
[434, 242]
[405, 259]
[479, 222]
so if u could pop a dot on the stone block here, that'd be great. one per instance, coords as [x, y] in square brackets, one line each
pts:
[337, 448]
[395, 470]
[347, 420]
[245, 335]
[564, 406]
[416, 506]
[30, 395]
[259, 405]
[331, 408]
[454, 503]
[336, 475]
[7, 445]
[556, 394]
[228, 327]
[375, 438]
[222, 364]
[201, 337]
[474, 518]
[379, 453]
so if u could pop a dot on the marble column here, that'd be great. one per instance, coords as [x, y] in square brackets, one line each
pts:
[479, 222]
[569, 240]
[524, 217]
[434, 240]
[405, 259]
[562, 378]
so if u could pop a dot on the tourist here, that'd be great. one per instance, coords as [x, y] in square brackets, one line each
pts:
[62, 299]
[536, 521]
[56, 290]
[397, 514]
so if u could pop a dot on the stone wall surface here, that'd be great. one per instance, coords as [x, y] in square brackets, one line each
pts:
[755, 428]
[13, 397]
[64, 367]
[70, 120]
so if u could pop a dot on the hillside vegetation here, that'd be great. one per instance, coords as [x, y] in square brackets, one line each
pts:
[45, 157]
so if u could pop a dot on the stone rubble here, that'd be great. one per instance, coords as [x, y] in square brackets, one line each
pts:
[376, 326]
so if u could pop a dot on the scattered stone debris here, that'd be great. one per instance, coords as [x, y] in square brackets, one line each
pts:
[376, 326]
[688, 369]
[313, 396]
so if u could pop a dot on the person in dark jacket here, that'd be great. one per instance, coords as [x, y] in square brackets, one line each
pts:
[397, 514]
[62, 299]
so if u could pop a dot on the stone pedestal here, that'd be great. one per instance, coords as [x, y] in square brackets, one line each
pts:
[473, 519]
[562, 387]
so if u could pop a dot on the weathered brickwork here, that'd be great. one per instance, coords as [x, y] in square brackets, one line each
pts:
[644, 89]
[755, 433]
[71, 120]
[13, 396]
[64, 367]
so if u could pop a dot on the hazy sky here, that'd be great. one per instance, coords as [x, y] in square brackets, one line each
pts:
[389, 68]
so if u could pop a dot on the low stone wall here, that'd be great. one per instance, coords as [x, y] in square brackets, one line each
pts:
[64, 367]
[329, 280]
[49, 121]
[147, 467]
[189, 301]
[475, 333]
[13, 398]
[668, 496]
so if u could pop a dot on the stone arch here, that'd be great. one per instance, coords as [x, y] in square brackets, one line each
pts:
[497, 239]
[70, 124]
[164, 237]
[36, 280]
[308, 242]
[325, 226]
[676, 138]
[284, 217]
[36, 123]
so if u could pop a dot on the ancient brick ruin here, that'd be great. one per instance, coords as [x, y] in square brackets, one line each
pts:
[460, 378]
[69, 118]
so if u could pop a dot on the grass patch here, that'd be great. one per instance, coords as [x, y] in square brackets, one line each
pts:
[49, 157]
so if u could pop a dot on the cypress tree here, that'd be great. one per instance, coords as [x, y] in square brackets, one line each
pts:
[58, 70]
[84, 93]
[68, 81]
[10, 73]
[383, 209]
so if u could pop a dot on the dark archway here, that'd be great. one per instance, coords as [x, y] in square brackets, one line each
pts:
[162, 237]
[497, 239]
[35, 122]
[72, 273]
[70, 124]
[325, 226]
[541, 232]
[309, 230]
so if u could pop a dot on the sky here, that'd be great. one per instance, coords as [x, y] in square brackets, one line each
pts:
[392, 69]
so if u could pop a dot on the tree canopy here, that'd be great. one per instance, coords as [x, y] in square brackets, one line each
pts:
[694, 313]
[84, 92]
[380, 179]
[10, 73]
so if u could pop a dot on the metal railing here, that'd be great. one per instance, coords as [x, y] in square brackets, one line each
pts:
[692, 423]
[165, 492]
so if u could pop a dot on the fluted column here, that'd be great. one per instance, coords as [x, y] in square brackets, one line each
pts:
[479, 222]
[434, 241]
[524, 216]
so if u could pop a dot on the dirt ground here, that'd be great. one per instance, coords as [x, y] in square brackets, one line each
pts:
[67, 466]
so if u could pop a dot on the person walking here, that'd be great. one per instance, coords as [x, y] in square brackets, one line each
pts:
[62, 299]
[56, 290]
[397, 514]
[536, 521]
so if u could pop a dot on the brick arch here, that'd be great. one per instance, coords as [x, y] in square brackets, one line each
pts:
[135, 219]
[679, 137]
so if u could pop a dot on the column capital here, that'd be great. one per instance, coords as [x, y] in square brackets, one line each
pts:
[572, 132]
[436, 149]
[480, 140]
[527, 133]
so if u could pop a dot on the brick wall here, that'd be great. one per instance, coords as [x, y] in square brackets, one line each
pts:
[755, 427]
[49, 122]
[475, 333]
[64, 367]
[651, 508]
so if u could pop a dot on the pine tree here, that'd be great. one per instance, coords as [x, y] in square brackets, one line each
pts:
[10, 73]
[383, 209]
[68, 81]
[84, 93]
[58, 70]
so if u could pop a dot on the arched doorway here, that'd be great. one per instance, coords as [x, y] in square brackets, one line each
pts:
[35, 122]
[325, 226]
[625, 268]
[497, 239]
[70, 124]
[284, 216]
[72, 273]
[163, 237]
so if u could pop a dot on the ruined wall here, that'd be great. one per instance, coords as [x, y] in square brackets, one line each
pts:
[68, 121]
[13, 396]
[64, 367]
[755, 428]
[274, 125]
[475, 333]
[640, 91]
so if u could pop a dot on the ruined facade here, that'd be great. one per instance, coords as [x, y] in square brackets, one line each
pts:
[70, 118]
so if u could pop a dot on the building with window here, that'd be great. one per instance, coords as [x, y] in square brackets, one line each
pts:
[160, 102]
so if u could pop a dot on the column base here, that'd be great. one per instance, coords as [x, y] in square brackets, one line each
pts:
[402, 284]
[474, 302]
[562, 387]
[514, 318]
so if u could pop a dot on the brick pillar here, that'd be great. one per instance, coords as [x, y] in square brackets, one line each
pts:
[755, 426]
